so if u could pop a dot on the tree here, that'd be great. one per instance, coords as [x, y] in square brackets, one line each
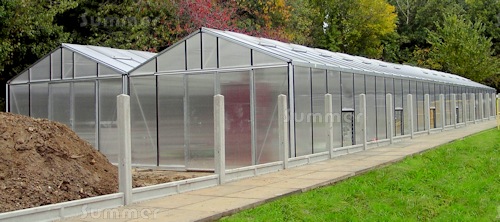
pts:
[356, 26]
[459, 47]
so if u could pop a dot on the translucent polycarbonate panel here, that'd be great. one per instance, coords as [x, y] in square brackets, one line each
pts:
[389, 86]
[318, 106]
[19, 99]
[109, 144]
[146, 68]
[448, 108]
[233, 55]
[171, 90]
[84, 67]
[172, 60]
[398, 93]
[359, 88]
[39, 100]
[56, 64]
[209, 51]
[60, 103]
[413, 91]
[41, 70]
[406, 117]
[432, 95]
[106, 71]
[263, 59]
[201, 121]
[22, 78]
[459, 104]
[493, 104]
[420, 107]
[381, 112]
[85, 111]
[67, 64]
[269, 84]
[334, 89]
[348, 128]
[194, 52]
[371, 109]
[347, 90]
[235, 87]
[143, 119]
[303, 116]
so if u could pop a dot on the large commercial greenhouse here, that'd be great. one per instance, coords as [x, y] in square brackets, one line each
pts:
[172, 94]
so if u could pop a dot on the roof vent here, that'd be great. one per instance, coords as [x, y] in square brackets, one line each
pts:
[122, 57]
[299, 50]
[367, 62]
[347, 59]
[383, 65]
[397, 67]
[267, 44]
[325, 55]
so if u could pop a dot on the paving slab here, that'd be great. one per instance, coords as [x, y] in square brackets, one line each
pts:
[213, 203]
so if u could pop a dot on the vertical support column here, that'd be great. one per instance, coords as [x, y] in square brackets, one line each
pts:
[454, 111]
[219, 138]
[442, 113]
[283, 129]
[390, 116]
[362, 108]
[125, 156]
[427, 113]
[291, 112]
[329, 123]
[409, 113]
[465, 111]
[473, 107]
[481, 107]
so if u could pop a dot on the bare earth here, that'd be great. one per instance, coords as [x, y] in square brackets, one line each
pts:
[44, 162]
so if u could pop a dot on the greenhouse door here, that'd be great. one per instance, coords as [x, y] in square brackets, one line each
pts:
[348, 128]
[398, 122]
[433, 117]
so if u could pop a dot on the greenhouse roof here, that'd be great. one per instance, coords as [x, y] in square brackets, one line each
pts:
[314, 57]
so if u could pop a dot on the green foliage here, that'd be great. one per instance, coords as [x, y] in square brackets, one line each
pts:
[456, 181]
[459, 47]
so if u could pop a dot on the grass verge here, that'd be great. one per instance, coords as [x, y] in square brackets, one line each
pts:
[459, 181]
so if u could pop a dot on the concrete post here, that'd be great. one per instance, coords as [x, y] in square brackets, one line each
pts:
[329, 122]
[219, 138]
[442, 112]
[427, 113]
[454, 109]
[473, 107]
[283, 129]
[125, 156]
[481, 107]
[390, 116]
[409, 113]
[362, 108]
[465, 111]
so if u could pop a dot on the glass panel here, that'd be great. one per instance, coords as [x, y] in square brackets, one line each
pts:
[146, 68]
[432, 95]
[406, 118]
[201, 121]
[209, 51]
[41, 70]
[303, 128]
[359, 88]
[371, 109]
[60, 104]
[269, 84]
[347, 91]
[347, 128]
[398, 94]
[263, 59]
[447, 104]
[85, 110]
[106, 71]
[39, 100]
[84, 67]
[67, 64]
[171, 91]
[233, 55]
[56, 66]
[380, 104]
[174, 59]
[335, 89]
[236, 90]
[420, 104]
[413, 91]
[23, 78]
[19, 99]
[194, 52]
[318, 117]
[143, 119]
[389, 86]
[108, 139]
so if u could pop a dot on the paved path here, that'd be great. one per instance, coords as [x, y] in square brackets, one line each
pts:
[216, 202]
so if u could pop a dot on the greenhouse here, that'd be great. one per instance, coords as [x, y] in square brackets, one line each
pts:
[172, 105]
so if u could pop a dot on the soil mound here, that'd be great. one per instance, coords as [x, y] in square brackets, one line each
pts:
[44, 162]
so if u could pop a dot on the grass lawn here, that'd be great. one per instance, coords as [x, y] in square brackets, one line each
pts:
[459, 181]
